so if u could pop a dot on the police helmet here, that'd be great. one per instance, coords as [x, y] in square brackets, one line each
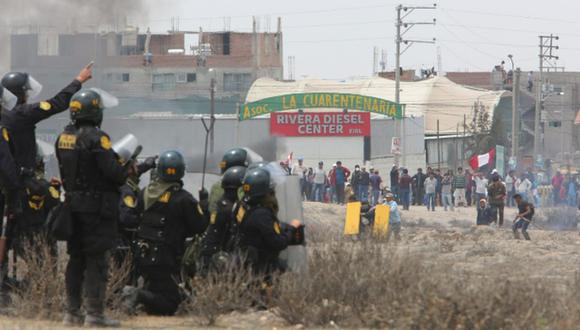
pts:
[234, 157]
[171, 166]
[21, 85]
[257, 183]
[88, 105]
[233, 177]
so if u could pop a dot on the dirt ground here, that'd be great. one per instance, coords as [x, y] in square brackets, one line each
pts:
[448, 238]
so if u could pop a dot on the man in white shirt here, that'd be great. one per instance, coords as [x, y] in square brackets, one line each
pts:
[430, 189]
[319, 181]
[510, 181]
[480, 187]
[524, 187]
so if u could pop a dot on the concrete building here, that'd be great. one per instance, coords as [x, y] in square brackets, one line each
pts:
[154, 72]
[560, 136]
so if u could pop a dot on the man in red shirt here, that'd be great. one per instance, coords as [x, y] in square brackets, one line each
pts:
[405, 189]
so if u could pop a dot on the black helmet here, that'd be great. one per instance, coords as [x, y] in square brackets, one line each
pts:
[21, 85]
[257, 165]
[234, 157]
[171, 167]
[257, 183]
[233, 177]
[86, 105]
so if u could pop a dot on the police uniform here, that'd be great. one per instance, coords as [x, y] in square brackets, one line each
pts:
[21, 122]
[165, 224]
[221, 234]
[91, 177]
[41, 198]
[261, 236]
[9, 182]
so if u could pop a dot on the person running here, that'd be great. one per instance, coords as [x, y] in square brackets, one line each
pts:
[523, 218]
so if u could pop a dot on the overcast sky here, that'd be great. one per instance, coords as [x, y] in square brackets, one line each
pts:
[335, 38]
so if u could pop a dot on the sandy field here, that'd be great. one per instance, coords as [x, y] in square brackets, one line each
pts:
[448, 238]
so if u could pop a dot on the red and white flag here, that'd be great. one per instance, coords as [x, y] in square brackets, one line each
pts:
[478, 161]
[290, 158]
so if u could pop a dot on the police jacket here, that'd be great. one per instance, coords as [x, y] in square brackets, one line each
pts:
[8, 169]
[222, 230]
[21, 122]
[90, 172]
[262, 238]
[41, 198]
[165, 225]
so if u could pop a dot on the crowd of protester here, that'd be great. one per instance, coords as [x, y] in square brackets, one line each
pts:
[433, 188]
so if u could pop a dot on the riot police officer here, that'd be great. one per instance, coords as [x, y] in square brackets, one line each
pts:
[220, 237]
[9, 183]
[22, 120]
[233, 157]
[91, 176]
[262, 237]
[171, 214]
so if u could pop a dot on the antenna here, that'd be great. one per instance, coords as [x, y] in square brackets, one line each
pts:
[383, 60]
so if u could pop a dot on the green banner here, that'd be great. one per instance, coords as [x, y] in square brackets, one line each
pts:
[321, 100]
[500, 160]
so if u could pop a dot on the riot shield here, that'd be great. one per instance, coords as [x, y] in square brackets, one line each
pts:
[352, 221]
[381, 224]
[290, 208]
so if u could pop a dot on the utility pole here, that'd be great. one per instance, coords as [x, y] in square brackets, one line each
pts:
[212, 88]
[402, 29]
[546, 55]
[438, 147]
[516, 113]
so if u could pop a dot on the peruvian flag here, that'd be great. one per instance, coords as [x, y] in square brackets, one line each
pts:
[478, 161]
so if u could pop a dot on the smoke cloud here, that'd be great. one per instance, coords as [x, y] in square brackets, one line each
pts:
[67, 14]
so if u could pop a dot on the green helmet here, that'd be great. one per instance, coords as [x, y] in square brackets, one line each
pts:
[257, 183]
[171, 167]
[234, 157]
[233, 177]
[86, 105]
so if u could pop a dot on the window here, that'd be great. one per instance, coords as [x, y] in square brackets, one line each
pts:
[237, 82]
[181, 77]
[555, 124]
[125, 77]
[164, 82]
[191, 77]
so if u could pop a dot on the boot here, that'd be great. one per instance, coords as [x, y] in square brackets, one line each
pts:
[73, 319]
[100, 321]
[526, 236]
[130, 296]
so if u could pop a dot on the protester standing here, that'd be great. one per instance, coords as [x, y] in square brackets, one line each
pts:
[510, 181]
[480, 187]
[446, 185]
[319, 182]
[376, 182]
[405, 189]
[430, 190]
[459, 184]
[363, 185]
[394, 175]
[497, 193]
[419, 186]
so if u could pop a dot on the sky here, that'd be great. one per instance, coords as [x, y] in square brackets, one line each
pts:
[334, 39]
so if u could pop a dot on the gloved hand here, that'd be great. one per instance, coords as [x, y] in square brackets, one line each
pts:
[147, 164]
